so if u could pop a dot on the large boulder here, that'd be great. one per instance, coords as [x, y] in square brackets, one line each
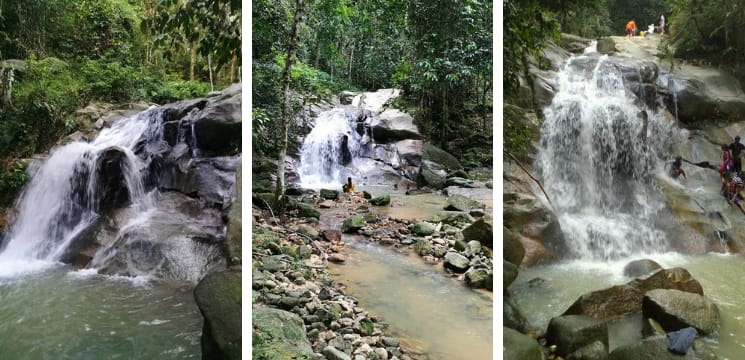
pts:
[217, 127]
[675, 310]
[607, 46]
[512, 317]
[423, 228]
[573, 43]
[329, 194]
[705, 94]
[509, 274]
[216, 179]
[279, 334]
[640, 267]
[110, 166]
[512, 248]
[480, 230]
[234, 228]
[218, 296]
[393, 125]
[571, 332]
[655, 348]
[517, 346]
[436, 165]
[624, 299]
[452, 218]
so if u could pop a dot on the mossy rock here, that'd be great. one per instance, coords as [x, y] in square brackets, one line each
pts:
[329, 194]
[218, 296]
[452, 218]
[366, 327]
[308, 211]
[462, 203]
[460, 245]
[262, 200]
[424, 247]
[279, 334]
[382, 200]
[423, 229]
[262, 186]
[480, 230]
[370, 219]
[352, 224]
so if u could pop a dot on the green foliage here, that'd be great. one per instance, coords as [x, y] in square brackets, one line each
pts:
[518, 133]
[214, 24]
[708, 29]
[111, 81]
[11, 182]
[527, 26]
[175, 90]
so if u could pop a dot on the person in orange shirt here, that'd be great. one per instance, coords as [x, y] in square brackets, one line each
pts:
[631, 28]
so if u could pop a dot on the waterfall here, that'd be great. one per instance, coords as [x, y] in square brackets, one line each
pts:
[64, 194]
[600, 146]
[328, 148]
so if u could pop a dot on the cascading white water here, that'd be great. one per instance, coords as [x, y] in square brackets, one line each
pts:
[322, 154]
[597, 159]
[63, 195]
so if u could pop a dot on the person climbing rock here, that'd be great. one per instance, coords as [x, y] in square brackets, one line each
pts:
[726, 160]
[735, 185]
[676, 168]
[631, 28]
[736, 149]
[348, 187]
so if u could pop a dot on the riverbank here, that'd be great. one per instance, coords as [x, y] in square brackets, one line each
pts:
[290, 270]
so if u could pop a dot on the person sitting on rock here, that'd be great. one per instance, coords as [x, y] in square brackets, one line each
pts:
[676, 168]
[735, 185]
[348, 187]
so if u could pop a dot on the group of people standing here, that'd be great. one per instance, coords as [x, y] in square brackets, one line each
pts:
[731, 171]
[631, 29]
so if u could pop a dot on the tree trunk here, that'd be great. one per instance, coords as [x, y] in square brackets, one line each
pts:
[292, 44]
[232, 68]
[443, 131]
[192, 60]
[351, 60]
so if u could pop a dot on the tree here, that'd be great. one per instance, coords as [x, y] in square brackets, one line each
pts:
[285, 114]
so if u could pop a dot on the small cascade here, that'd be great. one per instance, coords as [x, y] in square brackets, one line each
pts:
[600, 146]
[65, 194]
[329, 147]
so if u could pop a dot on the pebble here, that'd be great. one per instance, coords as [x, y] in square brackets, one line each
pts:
[382, 353]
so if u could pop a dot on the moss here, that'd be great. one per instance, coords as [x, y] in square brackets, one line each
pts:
[367, 326]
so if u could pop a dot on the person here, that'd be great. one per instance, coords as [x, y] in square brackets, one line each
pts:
[631, 28]
[676, 168]
[662, 24]
[348, 187]
[726, 160]
[733, 190]
[395, 186]
[736, 149]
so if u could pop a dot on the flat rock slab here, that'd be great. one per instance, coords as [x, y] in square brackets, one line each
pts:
[675, 310]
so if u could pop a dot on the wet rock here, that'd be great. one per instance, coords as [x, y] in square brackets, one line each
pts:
[329, 194]
[217, 127]
[216, 179]
[337, 258]
[594, 351]
[352, 224]
[423, 229]
[477, 212]
[571, 332]
[334, 354]
[476, 278]
[675, 310]
[640, 267]
[110, 166]
[480, 230]
[512, 317]
[331, 235]
[655, 348]
[606, 45]
[517, 346]
[307, 211]
[460, 245]
[509, 271]
[423, 247]
[391, 341]
[462, 203]
[439, 251]
[381, 200]
[436, 164]
[624, 299]
[218, 296]
[456, 262]
[473, 247]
